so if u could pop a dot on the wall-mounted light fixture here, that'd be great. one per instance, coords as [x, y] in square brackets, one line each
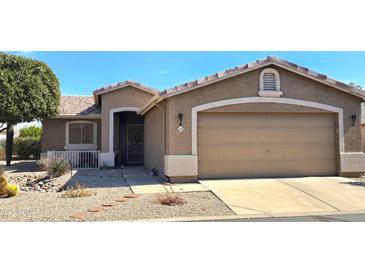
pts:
[180, 127]
[353, 117]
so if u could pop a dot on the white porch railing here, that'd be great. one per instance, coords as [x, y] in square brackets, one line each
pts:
[78, 159]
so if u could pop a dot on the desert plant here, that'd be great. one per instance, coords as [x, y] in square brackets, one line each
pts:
[6, 189]
[57, 167]
[170, 199]
[26, 147]
[78, 191]
[43, 164]
[31, 131]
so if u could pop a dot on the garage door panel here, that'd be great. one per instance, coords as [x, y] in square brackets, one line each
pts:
[245, 135]
[221, 136]
[290, 152]
[265, 168]
[224, 152]
[265, 145]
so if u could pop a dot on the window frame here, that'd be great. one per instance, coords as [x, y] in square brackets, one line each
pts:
[269, 93]
[92, 146]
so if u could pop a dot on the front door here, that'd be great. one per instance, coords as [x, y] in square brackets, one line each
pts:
[135, 147]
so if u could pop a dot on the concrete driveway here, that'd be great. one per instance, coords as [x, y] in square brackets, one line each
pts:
[287, 196]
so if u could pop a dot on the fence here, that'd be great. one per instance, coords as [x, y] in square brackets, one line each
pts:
[78, 159]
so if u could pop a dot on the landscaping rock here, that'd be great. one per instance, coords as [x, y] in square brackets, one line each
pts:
[132, 196]
[95, 209]
[107, 204]
[79, 215]
[121, 200]
[35, 183]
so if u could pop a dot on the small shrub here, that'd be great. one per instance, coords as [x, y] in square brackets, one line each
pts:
[7, 189]
[57, 167]
[78, 191]
[2, 154]
[169, 199]
[2, 149]
[26, 147]
[31, 131]
[2, 143]
[12, 190]
[43, 164]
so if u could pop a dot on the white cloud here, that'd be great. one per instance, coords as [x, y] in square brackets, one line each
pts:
[26, 53]
[161, 72]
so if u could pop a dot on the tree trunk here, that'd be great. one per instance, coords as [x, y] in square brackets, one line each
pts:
[9, 143]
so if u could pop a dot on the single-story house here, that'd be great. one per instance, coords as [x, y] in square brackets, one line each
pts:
[363, 125]
[268, 118]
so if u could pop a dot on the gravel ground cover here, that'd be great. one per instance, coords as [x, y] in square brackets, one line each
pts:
[35, 206]
[109, 187]
[146, 207]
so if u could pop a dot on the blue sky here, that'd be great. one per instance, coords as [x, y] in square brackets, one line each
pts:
[82, 72]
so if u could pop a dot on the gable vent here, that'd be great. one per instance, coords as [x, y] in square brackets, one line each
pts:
[269, 81]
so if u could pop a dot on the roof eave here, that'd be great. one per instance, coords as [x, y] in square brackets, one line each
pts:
[326, 80]
[150, 104]
[117, 86]
[77, 116]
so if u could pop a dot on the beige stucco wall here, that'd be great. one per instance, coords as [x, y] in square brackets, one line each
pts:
[363, 137]
[54, 131]
[116, 132]
[124, 97]
[154, 138]
[294, 86]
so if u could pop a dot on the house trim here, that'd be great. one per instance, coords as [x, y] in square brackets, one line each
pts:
[277, 78]
[75, 116]
[181, 165]
[92, 146]
[111, 123]
[247, 100]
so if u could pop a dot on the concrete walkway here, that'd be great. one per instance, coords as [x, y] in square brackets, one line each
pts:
[142, 183]
[289, 195]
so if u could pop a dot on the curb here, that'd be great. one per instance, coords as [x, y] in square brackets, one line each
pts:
[250, 216]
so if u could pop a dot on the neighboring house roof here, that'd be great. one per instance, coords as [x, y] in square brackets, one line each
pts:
[128, 83]
[78, 105]
[258, 64]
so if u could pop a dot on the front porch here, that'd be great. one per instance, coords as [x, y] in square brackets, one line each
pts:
[128, 138]
[82, 143]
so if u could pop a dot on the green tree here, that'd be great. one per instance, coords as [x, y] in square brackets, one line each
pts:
[31, 131]
[29, 90]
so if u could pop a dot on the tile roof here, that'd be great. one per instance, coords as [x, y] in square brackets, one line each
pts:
[87, 105]
[78, 105]
[258, 64]
[125, 84]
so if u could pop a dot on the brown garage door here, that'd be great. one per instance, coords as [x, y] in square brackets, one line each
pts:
[265, 145]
